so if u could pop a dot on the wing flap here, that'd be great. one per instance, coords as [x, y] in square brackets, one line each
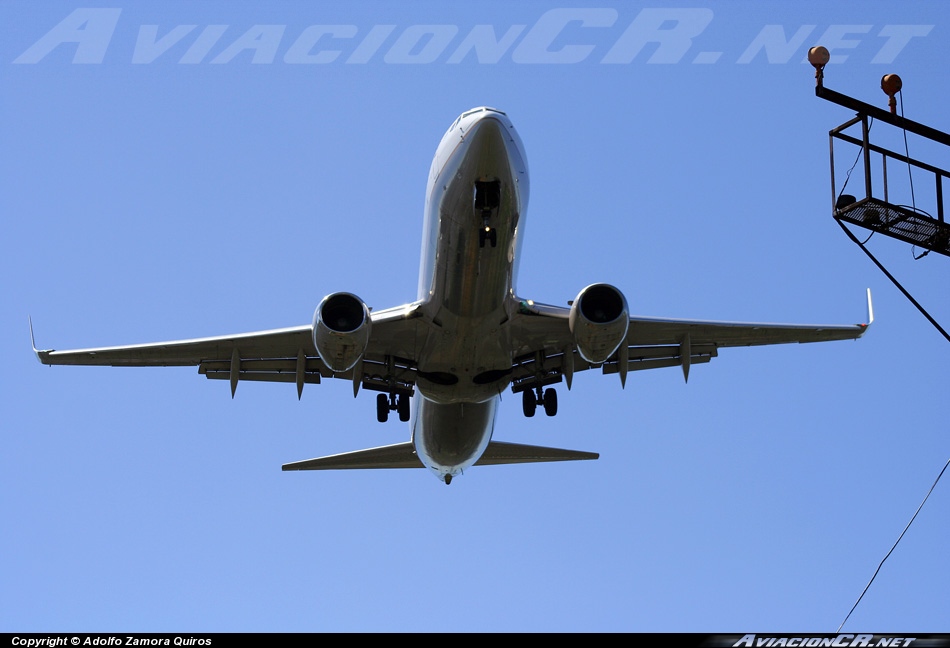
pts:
[658, 363]
[309, 378]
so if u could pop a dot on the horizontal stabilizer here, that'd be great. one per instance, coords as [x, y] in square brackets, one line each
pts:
[403, 455]
[399, 455]
[499, 452]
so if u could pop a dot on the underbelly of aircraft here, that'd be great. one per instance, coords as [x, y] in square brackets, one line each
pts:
[451, 437]
[466, 360]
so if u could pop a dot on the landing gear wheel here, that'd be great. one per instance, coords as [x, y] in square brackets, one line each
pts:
[382, 408]
[528, 402]
[403, 407]
[550, 402]
[493, 237]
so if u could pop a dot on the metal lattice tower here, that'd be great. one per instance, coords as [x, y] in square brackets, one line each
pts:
[875, 210]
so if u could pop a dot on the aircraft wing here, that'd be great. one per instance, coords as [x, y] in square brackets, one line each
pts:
[540, 335]
[278, 355]
[544, 346]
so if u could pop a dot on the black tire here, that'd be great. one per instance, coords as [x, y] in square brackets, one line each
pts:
[403, 408]
[493, 237]
[382, 408]
[550, 402]
[528, 403]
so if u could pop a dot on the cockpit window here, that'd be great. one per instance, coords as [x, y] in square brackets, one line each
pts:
[480, 109]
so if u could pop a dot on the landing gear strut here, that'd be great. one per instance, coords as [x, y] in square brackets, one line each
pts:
[487, 200]
[546, 397]
[487, 234]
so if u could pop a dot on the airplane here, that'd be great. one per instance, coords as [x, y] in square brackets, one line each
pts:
[442, 361]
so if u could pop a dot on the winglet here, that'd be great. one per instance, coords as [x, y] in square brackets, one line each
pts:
[870, 310]
[37, 352]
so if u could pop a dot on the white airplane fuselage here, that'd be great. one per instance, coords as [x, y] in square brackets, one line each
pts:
[476, 199]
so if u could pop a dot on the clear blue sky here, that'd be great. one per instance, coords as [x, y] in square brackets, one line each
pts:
[162, 182]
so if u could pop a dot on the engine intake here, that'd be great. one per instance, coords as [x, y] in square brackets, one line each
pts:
[598, 321]
[341, 328]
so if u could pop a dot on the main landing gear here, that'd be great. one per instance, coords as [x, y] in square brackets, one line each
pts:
[392, 403]
[546, 397]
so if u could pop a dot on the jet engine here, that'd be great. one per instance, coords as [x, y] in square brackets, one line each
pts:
[599, 320]
[341, 327]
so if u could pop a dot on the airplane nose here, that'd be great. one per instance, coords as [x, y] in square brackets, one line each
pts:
[494, 146]
[488, 139]
[486, 130]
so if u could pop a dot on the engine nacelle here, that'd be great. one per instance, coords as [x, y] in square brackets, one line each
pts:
[341, 327]
[599, 320]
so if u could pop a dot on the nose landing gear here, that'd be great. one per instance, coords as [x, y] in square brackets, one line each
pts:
[487, 200]
[487, 235]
